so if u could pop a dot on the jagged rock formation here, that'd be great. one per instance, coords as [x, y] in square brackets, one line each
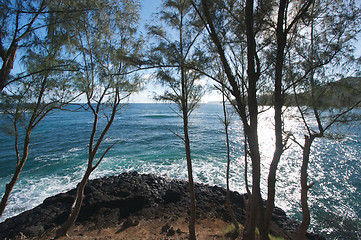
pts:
[111, 200]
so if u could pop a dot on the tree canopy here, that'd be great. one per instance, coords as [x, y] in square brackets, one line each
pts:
[276, 53]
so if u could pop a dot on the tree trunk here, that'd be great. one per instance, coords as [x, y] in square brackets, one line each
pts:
[251, 130]
[185, 111]
[20, 164]
[9, 187]
[256, 205]
[8, 64]
[192, 221]
[75, 209]
[278, 103]
[226, 123]
[248, 200]
[304, 188]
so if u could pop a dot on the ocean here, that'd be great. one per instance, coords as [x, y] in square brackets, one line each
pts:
[144, 143]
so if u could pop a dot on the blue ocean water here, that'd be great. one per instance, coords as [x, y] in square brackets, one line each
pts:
[145, 144]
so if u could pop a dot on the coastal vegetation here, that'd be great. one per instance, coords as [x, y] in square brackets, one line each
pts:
[110, 27]
[177, 51]
[337, 94]
[32, 98]
[271, 53]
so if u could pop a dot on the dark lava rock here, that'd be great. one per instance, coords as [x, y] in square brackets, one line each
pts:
[110, 201]
[172, 196]
[171, 232]
[168, 230]
[165, 228]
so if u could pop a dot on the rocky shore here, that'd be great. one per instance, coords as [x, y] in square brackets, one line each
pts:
[126, 199]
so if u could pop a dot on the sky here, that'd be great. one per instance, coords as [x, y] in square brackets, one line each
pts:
[151, 89]
[148, 8]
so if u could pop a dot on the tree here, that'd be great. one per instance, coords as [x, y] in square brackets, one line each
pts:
[106, 40]
[326, 44]
[226, 122]
[27, 102]
[178, 49]
[256, 27]
[19, 20]
[249, 119]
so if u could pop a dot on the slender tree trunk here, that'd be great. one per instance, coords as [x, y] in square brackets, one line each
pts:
[256, 205]
[9, 187]
[249, 200]
[241, 108]
[185, 110]
[304, 188]
[251, 131]
[75, 209]
[278, 103]
[307, 148]
[20, 164]
[192, 221]
[226, 124]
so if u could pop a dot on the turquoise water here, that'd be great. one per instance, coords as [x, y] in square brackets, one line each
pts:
[59, 152]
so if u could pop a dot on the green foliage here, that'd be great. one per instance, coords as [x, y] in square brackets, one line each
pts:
[177, 55]
[84, 47]
[344, 93]
[339, 94]
[103, 42]
[14, 110]
[26, 102]
[15, 18]
[324, 44]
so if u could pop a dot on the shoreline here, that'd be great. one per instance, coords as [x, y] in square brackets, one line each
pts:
[121, 201]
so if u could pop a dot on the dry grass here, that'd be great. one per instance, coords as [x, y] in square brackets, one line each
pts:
[150, 230]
